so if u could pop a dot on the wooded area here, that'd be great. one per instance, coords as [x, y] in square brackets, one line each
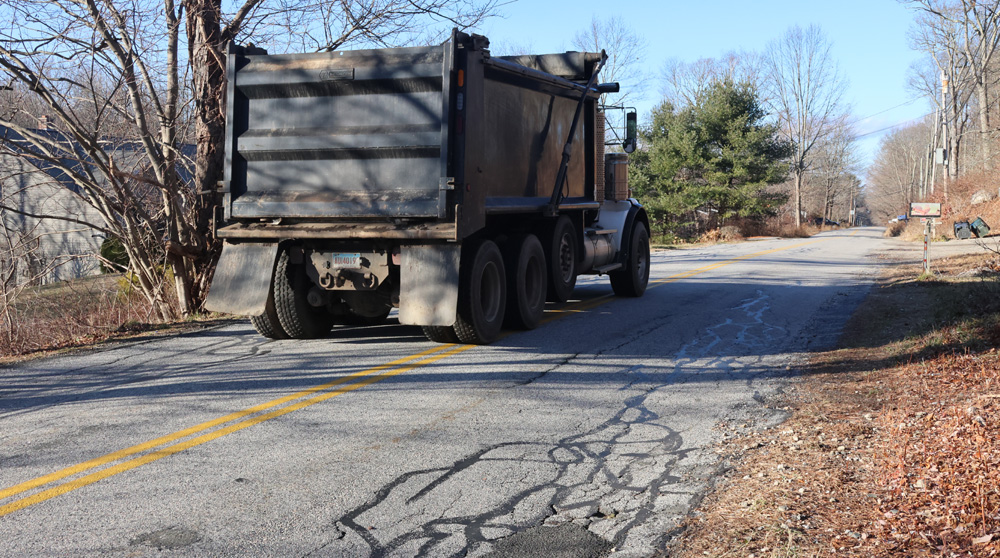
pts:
[796, 81]
[954, 142]
[795, 160]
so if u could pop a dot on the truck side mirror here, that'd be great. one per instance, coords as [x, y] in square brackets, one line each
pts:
[631, 132]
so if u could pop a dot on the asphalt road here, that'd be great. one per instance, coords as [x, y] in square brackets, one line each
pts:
[589, 436]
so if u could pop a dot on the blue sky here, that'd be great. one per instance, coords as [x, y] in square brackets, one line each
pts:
[869, 39]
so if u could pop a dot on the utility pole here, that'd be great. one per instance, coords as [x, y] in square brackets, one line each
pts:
[944, 132]
[934, 148]
[852, 204]
[924, 163]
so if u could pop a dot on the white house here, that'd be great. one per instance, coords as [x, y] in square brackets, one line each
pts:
[43, 249]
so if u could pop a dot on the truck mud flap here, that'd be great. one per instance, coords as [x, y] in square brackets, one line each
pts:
[242, 279]
[428, 290]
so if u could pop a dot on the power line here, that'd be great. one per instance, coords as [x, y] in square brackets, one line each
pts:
[903, 104]
[896, 125]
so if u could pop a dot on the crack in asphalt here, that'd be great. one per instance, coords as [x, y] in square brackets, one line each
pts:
[543, 373]
[612, 474]
[632, 337]
[591, 450]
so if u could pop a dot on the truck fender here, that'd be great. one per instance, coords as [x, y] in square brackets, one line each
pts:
[428, 284]
[243, 278]
[636, 212]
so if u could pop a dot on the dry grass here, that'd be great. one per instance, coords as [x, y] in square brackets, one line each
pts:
[895, 229]
[893, 443]
[727, 233]
[802, 231]
[71, 313]
[748, 229]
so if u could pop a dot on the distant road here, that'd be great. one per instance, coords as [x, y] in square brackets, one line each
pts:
[376, 442]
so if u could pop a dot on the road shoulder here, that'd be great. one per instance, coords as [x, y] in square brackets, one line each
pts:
[843, 475]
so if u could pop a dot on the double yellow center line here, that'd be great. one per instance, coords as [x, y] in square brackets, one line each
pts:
[170, 444]
[245, 418]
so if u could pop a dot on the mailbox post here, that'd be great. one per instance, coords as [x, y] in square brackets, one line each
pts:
[927, 213]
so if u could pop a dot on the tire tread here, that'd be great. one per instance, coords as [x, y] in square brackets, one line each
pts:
[441, 334]
[297, 318]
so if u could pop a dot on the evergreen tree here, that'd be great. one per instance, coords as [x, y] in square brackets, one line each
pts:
[716, 157]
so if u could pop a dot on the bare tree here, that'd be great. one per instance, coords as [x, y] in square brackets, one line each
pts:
[684, 82]
[836, 164]
[130, 85]
[948, 83]
[963, 37]
[108, 74]
[506, 47]
[626, 50]
[23, 265]
[894, 176]
[806, 95]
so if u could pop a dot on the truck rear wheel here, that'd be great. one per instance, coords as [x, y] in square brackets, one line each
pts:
[562, 260]
[482, 294]
[441, 334]
[297, 317]
[524, 259]
[267, 324]
[632, 278]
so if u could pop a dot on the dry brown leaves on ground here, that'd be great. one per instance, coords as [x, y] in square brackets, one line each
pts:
[892, 447]
[941, 457]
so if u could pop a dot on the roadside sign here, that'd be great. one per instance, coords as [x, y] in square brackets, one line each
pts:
[925, 209]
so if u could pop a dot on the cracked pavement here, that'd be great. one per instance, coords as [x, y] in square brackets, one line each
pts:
[591, 435]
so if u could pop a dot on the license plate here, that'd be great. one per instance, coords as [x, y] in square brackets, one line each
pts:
[346, 261]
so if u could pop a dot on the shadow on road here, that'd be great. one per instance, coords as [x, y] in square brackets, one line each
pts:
[685, 330]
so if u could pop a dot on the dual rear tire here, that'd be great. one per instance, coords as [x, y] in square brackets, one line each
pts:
[561, 253]
[498, 288]
[288, 314]
[482, 294]
[526, 281]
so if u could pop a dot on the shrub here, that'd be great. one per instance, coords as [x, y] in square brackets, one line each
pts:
[894, 229]
[114, 258]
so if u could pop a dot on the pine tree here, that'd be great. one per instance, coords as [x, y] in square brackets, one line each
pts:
[711, 161]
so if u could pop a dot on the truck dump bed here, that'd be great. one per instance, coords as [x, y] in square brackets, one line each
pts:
[345, 134]
[403, 134]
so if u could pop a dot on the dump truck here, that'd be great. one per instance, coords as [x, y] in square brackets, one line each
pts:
[462, 188]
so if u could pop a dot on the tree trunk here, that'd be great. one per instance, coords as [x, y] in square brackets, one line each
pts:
[984, 126]
[955, 141]
[797, 198]
[209, 80]
[827, 207]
